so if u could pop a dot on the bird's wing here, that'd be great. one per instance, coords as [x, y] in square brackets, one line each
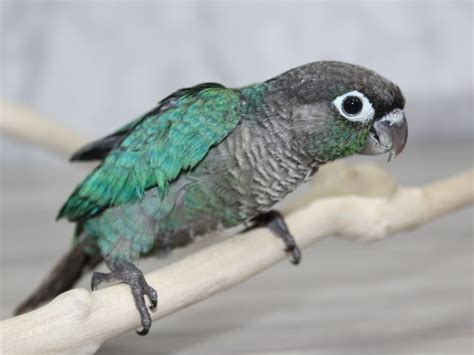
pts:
[174, 137]
[99, 149]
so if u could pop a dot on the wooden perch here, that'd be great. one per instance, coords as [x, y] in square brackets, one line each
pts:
[359, 203]
[78, 321]
[23, 124]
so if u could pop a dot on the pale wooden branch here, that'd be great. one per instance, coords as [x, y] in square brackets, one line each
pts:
[79, 321]
[359, 203]
[28, 126]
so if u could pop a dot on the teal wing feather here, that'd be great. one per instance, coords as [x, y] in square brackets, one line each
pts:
[174, 137]
[99, 149]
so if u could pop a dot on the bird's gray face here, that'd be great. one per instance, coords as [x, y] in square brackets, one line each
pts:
[341, 109]
[388, 133]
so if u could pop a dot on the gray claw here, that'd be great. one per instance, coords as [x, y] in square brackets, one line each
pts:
[98, 278]
[131, 275]
[295, 254]
[143, 331]
[140, 288]
[153, 297]
[144, 314]
[275, 221]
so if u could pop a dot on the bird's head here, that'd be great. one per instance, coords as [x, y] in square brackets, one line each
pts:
[340, 109]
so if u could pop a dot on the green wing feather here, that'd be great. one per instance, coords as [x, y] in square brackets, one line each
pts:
[174, 137]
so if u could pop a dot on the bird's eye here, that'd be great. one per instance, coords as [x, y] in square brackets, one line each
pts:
[354, 106]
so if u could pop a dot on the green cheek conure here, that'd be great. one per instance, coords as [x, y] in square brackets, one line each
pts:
[210, 157]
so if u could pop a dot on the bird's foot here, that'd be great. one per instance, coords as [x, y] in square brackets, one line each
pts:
[276, 223]
[132, 276]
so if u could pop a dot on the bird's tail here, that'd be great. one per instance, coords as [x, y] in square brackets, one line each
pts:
[63, 277]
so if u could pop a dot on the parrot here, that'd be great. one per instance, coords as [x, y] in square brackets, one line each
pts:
[209, 158]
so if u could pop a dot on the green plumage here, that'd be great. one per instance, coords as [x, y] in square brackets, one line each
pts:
[209, 157]
[159, 146]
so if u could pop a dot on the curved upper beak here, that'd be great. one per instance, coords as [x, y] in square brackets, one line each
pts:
[388, 134]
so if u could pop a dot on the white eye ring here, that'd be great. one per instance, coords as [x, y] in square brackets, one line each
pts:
[364, 115]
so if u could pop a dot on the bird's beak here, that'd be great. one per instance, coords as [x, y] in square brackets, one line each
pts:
[388, 134]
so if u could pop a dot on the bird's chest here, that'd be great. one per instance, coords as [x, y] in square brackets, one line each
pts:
[271, 181]
[252, 172]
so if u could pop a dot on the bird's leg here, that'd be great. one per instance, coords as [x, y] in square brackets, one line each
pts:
[98, 278]
[127, 272]
[275, 222]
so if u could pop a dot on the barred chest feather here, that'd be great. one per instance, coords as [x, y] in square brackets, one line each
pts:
[246, 174]
[257, 166]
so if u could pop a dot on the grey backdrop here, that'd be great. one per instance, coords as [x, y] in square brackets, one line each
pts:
[97, 64]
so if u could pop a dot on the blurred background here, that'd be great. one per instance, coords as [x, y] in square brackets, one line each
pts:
[94, 65]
